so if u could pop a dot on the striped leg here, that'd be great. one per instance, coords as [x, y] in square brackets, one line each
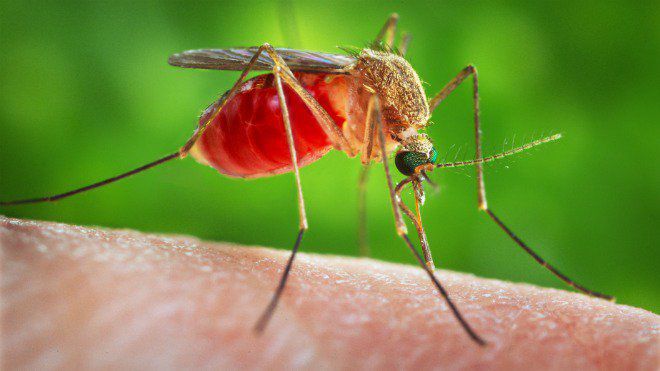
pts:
[401, 227]
[270, 309]
[181, 153]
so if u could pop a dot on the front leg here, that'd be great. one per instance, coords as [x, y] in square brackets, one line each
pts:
[302, 215]
[401, 226]
[481, 188]
[448, 89]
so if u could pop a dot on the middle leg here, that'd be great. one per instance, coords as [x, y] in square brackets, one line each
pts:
[363, 241]
[366, 157]
[303, 226]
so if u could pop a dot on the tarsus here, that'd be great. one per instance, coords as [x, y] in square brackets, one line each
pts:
[92, 186]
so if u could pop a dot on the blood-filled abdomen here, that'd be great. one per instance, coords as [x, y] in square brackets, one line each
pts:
[247, 138]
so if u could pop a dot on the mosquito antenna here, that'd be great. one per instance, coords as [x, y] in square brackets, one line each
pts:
[92, 186]
[500, 155]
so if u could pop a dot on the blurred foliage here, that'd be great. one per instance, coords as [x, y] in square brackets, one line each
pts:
[85, 93]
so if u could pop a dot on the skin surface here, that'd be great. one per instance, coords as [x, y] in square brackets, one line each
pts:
[79, 297]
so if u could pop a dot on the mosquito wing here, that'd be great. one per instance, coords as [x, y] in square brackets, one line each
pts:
[237, 60]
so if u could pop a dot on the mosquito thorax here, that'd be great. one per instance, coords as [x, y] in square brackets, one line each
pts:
[416, 150]
[402, 96]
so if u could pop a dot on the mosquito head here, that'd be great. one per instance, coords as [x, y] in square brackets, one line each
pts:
[416, 150]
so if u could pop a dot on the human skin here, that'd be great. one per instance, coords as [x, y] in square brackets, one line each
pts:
[77, 297]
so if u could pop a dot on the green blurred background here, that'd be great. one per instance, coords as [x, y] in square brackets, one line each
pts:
[86, 93]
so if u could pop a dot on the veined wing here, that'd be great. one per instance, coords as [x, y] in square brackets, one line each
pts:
[237, 60]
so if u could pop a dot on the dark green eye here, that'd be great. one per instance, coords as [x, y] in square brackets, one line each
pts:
[407, 161]
[433, 155]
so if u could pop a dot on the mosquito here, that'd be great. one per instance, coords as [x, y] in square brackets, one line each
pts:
[368, 102]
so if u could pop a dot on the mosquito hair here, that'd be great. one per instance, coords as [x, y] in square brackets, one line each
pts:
[451, 148]
[454, 154]
[461, 152]
[500, 155]
[459, 149]
[351, 50]
[381, 46]
[378, 46]
[462, 155]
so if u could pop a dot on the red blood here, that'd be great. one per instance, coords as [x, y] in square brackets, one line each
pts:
[247, 138]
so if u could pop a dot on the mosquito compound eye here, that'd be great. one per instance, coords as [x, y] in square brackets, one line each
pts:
[433, 155]
[407, 161]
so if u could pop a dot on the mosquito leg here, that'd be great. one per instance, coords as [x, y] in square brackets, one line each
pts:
[374, 114]
[387, 32]
[368, 138]
[417, 221]
[448, 89]
[403, 46]
[363, 242]
[367, 155]
[102, 183]
[481, 189]
[270, 309]
[401, 229]
[374, 106]
[426, 250]
[181, 153]
[327, 124]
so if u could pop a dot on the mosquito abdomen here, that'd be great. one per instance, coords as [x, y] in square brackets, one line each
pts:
[247, 139]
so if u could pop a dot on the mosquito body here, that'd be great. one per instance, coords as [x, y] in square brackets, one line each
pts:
[247, 139]
[368, 103]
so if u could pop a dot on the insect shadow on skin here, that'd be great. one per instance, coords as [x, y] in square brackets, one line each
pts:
[369, 102]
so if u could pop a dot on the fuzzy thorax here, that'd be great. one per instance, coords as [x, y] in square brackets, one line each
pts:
[398, 86]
